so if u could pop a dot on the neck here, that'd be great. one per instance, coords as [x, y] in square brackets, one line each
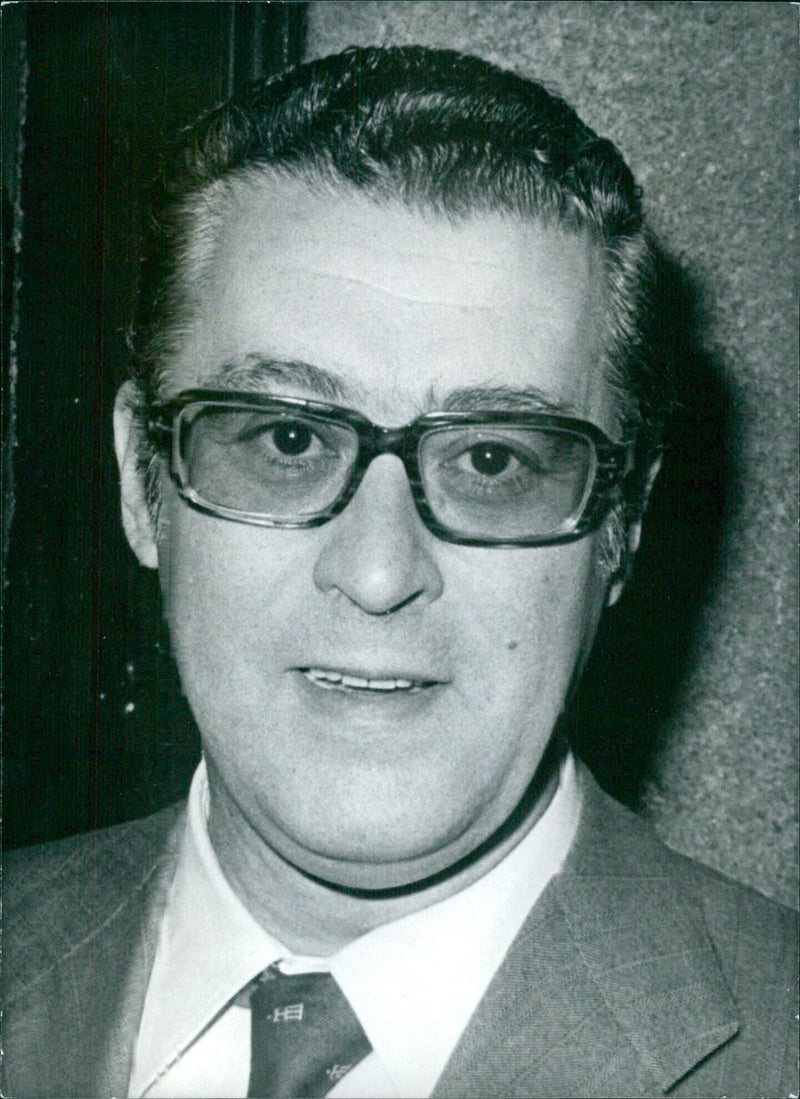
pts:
[311, 916]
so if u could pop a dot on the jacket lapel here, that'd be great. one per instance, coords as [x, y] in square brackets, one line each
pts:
[133, 936]
[612, 986]
[81, 932]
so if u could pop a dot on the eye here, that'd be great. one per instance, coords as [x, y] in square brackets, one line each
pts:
[282, 438]
[494, 459]
[488, 459]
[292, 437]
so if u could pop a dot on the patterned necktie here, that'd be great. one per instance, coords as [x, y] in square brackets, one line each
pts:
[304, 1036]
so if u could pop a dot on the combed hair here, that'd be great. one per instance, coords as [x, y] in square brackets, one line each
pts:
[434, 130]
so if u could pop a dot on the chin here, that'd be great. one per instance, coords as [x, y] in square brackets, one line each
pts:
[364, 855]
[367, 857]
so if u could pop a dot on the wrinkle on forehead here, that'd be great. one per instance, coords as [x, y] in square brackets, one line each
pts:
[418, 297]
[394, 313]
[333, 237]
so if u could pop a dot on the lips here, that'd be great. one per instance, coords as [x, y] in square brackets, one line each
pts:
[340, 680]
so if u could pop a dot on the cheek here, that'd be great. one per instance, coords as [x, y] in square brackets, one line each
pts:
[532, 615]
[221, 582]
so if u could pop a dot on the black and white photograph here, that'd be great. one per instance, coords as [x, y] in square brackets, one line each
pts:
[400, 549]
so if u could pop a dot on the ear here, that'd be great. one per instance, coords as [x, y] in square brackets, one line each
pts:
[136, 518]
[632, 538]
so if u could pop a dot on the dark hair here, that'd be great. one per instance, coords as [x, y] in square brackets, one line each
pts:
[433, 129]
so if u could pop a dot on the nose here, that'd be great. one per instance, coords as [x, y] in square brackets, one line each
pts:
[377, 552]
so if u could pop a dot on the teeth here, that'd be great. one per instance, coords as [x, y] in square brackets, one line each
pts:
[317, 673]
[354, 681]
[339, 681]
[390, 684]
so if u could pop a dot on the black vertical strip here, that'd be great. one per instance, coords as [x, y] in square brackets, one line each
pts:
[14, 93]
[97, 402]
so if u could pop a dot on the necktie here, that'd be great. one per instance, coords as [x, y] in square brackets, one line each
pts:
[304, 1036]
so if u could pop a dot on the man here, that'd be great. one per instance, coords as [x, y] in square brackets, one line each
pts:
[396, 414]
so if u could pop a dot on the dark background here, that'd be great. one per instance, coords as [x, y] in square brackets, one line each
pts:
[688, 711]
[95, 729]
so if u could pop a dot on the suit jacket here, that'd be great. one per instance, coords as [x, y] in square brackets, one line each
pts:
[636, 973]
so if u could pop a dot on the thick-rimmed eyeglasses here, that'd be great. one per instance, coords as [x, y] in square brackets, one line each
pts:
[479, 479]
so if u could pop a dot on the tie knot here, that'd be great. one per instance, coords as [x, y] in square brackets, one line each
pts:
[305, 1035]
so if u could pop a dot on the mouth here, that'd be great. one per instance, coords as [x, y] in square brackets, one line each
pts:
[348, 682]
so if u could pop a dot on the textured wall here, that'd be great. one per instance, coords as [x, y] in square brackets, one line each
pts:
[701, 99]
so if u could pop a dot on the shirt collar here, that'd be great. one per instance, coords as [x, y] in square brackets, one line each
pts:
[209, 947]
[414, 982]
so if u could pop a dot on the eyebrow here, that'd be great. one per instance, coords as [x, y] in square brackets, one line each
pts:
[502, 398]
[256, 372]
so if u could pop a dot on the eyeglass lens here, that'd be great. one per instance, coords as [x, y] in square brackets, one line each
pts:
[266, 463]
[483, 481]
[506, 482]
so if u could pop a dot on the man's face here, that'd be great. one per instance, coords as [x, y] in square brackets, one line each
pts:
[379, 787]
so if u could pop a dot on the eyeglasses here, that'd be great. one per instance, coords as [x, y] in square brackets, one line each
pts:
[479, 479]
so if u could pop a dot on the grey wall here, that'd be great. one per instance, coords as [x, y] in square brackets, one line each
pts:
[701, 99]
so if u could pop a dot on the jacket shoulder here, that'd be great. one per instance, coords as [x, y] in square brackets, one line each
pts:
[737, 916]
[623, 843]
[729, 904]
[753, 939]
[756, 943]
[740, 920]
[80, 919]
[57, 894]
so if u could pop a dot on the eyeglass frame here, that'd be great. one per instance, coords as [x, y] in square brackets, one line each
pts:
[613, 462]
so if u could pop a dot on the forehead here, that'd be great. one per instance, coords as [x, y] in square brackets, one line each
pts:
[399, 305]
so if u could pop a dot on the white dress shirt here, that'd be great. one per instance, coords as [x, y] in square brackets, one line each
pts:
[413, 982]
